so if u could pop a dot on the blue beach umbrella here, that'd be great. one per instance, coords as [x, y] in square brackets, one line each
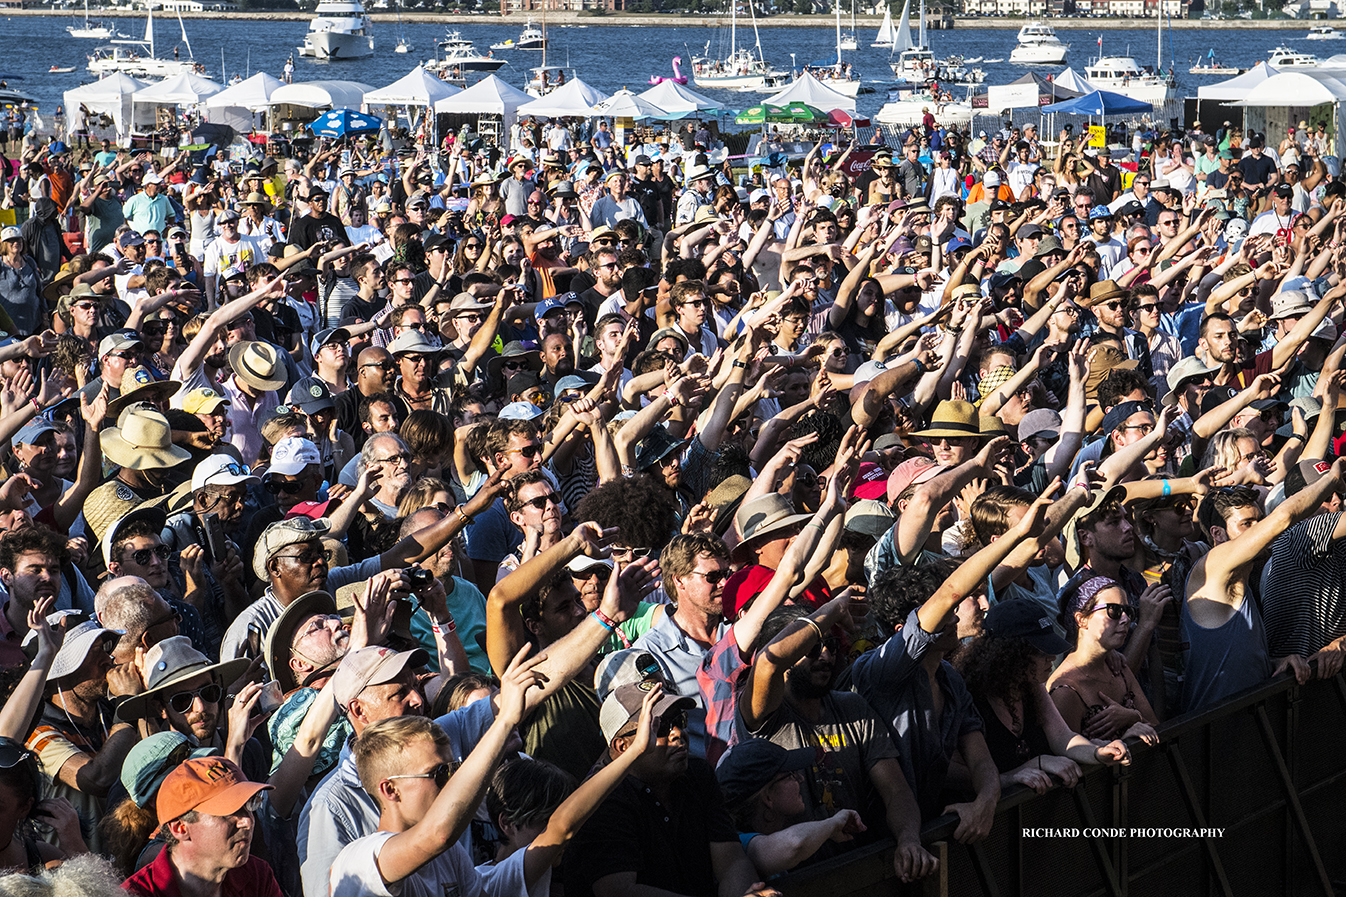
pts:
[340, 123]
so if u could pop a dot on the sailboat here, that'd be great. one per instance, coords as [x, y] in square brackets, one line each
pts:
[1209, 66]
[887, 34]
[92, 29]
[915, 62]
[137, 64]
[402, 45]
[741, 69]
[848, 41]
[838, 76]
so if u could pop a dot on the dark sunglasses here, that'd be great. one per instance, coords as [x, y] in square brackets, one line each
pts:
[670, 721]
[12, 753]
[209, 694]
[542, 500]
[1115, 611]
[440, 774]
[289, 487]
[713, 578]
[528, 451]
[142, 556]
[602, 573]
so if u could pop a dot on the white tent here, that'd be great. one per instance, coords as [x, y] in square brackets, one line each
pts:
[625, 104]
[572, 100]
[1237, 87]
[678, 101]
[1071, 80]
[186, 89]
[320, 94]
[1298, 89]
[489, 96]
[253, 93]
[104, 108]
[417, 88]
[810, 91]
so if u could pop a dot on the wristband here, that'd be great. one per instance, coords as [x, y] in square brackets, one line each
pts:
[672, 398]
[818, 630]
[37, 406]
[920, 366]
[740, 364]
[464, 516]
[604, 620]
[1168, 489]
[451, 626]
[1298, 436]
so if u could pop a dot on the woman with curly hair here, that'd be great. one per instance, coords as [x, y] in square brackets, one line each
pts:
[1005, 669]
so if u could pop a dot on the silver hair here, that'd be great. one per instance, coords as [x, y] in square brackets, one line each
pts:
[87, 875]
[367, 452]
[129, 607]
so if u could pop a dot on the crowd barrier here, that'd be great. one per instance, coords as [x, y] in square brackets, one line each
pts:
[1247, 797]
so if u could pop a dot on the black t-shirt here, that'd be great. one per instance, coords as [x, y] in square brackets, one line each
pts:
[1256, 172]
[361, 310]
[316, 229]
[648, 195]
[665, 846]
[348, 404]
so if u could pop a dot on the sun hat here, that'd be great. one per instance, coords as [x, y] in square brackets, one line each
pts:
[371, 665]
[257, 364]
[150, 761]
[144, 441]
[155, 516]
[255, 199]
[767, 514]
[1104, 291]
[1070, 534]
[513, 349]
[211, 785]
[657, 445]
[953, 419]
[221, 470]
[282, 632]
[282, 534]
[411, 342]
[467, 302]
[292, 454]
[623, 705]
[78, 642]
[170, 663]
[697, 173]
[139, 385]
[1289, 303]
[1188, 368]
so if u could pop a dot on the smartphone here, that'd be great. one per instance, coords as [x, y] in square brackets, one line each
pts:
[271, 698]
[216, 547]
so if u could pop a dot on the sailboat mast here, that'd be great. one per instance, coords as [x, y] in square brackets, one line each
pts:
[733, 28]
[923, 43]
[757, 35]
[1159, 37]
[838, 6]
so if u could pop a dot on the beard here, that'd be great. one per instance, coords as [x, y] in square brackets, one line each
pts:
[801, 682]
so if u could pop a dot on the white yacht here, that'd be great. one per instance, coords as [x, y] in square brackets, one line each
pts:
[909, 108]
[92, 28]
[1285, 58]
[137, 58]
[459, 59]
[339, 30]
[741, 69]
[1324, 32]
[1120, 74]
[1039, 45]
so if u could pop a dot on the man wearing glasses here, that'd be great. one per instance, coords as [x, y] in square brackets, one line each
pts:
[319, 225]
[375, 375]
[228, 250]
[141, 598]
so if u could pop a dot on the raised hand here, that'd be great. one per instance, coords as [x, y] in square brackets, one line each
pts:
[520, 677]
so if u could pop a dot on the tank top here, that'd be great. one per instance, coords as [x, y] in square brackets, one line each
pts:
[1008, 750]
[1226, 659]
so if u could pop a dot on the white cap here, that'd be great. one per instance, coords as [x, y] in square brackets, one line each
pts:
[868, 371]
[151, 178]
[990, 179]
[292, 454]
[221, 470]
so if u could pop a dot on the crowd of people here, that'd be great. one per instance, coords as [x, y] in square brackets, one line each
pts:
[584, 519]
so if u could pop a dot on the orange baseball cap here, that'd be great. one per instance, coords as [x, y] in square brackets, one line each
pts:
[211, 785]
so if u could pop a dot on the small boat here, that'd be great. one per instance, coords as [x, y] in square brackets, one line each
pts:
[532, 38]
[887, 33]
[544, 79]
[848, 41]
[93, 29]
[504, 45]
[57, 70]
[402, 47]
[1121, 74]
[339, 30]
[741, 69]
[464, 59]
[1285, 58]
[1324, 32]
[1209, 66]
[1038, 45]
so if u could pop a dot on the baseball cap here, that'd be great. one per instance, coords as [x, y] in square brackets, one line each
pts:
[913, 470]
[310, 396]
[211, 785]
[626, 667]
[371, 665]
[330, 335]
[221, 470]
[752, 765]
[1025, 619]
[282, 534]
[292, 454]
[870, 482]
[549, 305]
[1040, 422]
[871, 517]
[622, 706]
[519, 411]
[155, 516]
[117, 342]
[33, 430]
[203, 400]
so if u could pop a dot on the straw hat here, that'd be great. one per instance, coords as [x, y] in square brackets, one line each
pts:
[256, 199]
[953, 419]
[257, 364]
[144, 441]
[281, 634]
[139, 385]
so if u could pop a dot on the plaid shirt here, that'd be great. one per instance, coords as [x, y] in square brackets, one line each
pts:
[721, 678]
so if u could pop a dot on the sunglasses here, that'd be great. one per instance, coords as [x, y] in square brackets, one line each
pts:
[289, 487]
[381, 365]
[12, 753]
[142, 555]
[85, 306]
[1151, 306]
[542, 501]
[670, 721]
[713, 578]
[514, 365]
[602, 574]
[528, 451]
[1114, 611]
[440, 774]
[307, 559]
[209, 694]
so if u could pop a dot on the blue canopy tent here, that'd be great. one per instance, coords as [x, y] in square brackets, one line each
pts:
[1100, 102]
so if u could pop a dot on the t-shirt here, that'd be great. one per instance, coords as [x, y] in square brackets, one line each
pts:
[57, 739]
[564, 729]
[356, 873]
[145, 213]
[507, 877]
[254, 878]
[665, 846]
[1304, 588]
[103, 220]
[1256, 172]
[492, 536]
[312, 229]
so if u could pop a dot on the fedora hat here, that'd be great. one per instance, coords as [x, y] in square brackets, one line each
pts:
[514, 349]
[767, 514]
[256, 199]
[170, 663]
[698, 172]
[257, 364]
[953, 419]
[141, 387]
[1105, 290]
[144, 441]
[281, 634]
[564, 190]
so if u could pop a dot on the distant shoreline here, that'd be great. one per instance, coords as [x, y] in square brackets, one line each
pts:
[557, 19]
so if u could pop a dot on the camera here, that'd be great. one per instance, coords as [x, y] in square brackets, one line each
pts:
[419, 577]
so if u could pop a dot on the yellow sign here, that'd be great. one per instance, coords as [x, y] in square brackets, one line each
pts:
[1097, 136]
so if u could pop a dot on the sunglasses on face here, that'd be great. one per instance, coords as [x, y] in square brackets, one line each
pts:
[1148, 307]
[84, 306]
[142, 555]
[381, 365]
[528, 451]
[289, 487]
[514, 365]
[209, 694]
[1114, 611]
[713, 577]
[627, 555]
[440, 774]
[670, 721]
[542, 501]
[599, 572]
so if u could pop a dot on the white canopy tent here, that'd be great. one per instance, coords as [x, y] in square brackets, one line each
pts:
[573, 100]
[294, 105]
[1287, 97]
[678, 101]
[810, 91]
[186, 89]
[1237, 87]
[417, 88]
[104, 108]
[625, 104]
[1072, 80]
[254, 93]
[489, 96]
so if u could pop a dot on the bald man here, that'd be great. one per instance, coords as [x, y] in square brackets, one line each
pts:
[375, 373]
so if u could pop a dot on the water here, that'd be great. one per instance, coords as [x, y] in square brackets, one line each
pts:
[608, 57]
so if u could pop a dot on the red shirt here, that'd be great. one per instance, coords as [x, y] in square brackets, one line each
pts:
[159, 879]
[752, 580]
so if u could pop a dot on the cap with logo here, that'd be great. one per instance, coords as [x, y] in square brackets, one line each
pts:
[210, 785]
[221, 470]
[282, 534]
[310, 396]
[204, 400]
[622, 707]
[292, 454]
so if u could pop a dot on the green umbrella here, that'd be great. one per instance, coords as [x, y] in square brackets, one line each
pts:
[800, 112]
[764, 114]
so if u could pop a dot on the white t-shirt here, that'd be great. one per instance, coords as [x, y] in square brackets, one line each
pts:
[356, 873]
[1021, 176]
[505, 878]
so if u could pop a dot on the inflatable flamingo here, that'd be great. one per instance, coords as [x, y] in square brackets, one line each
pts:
[678, 76]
